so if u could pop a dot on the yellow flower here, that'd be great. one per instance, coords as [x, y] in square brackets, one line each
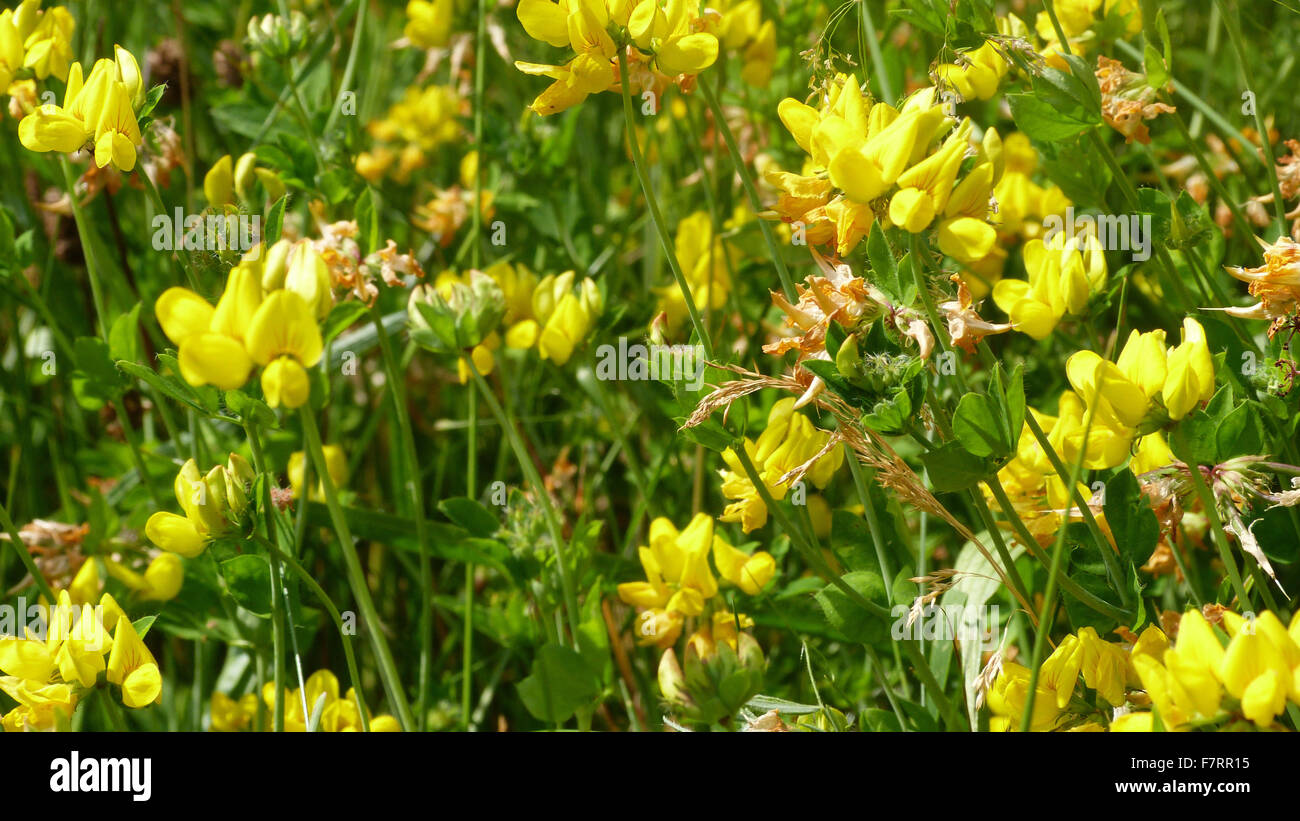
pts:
[209, 503]
[1259, 666]
[163, 578]
[978, 76]
[11, 48]
[1103, 664]
[41, 707]
[750, 573]
[336, 462]
[565, 318]
[705, 260]
[337, 715]
[47, 37]
[1184, 685]
[229, 716]
[1062, 277]
[99, 112]
[1007, 696]
[789, 441]
[678, 581]
[1124, 391]
[428, 24]
[73, 647]
[668, 32]
[132, 666]
[210, 341]
[284, 338]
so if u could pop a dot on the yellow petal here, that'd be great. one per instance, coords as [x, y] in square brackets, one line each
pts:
[176, 534]
[181, 312]
[214, 359]
[285, 383]
[687, 55]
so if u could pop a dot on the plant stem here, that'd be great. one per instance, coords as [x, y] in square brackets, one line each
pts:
[720, 123]
[397, 391]
[652, 204]
[356, 576]
[25, 557]
[324, 598]
[277, 588]
[1233, 23]
[543, 495]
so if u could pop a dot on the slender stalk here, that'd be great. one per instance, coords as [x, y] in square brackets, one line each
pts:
[814, 558]
[101, 311]
[480, 56]
[1072, 482]
[335, 615]
[25, 557]
[1233, 23]
[277, 588]
[356, 576]
[656, 217]
[877, 58]
[543, 496]
[1031, 544]
[720, 123]
[397, 391]
[345, 85]
[471, 485]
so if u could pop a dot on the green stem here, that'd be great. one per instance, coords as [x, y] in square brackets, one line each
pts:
[877, 57]
[720, 123]
[813, 556]
[652, 204]
[345, 85]
[277, 588]
[471, 485]
[480, 56]
[397, 391]
[356, 576]
[25, 557]
[1072, 481]
[335, 615]
[1031, 544]
[1233, 22]
[543, 496]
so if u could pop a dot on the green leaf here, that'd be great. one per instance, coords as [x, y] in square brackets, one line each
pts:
[248, 407]
[977, 582]
[560, 683]
[884, 269]
[848, 616]
[124, 336]
[367, 217]
[150, 101]
[275, 221]
[952, 468]
[1040, 121]
[166, 385]
[1240, 433]
[979, 426]
[8, 252]
[143, 624]
[341, 317]
[1157, 71]
[249, 579]
[471, 515]
[1129, 515]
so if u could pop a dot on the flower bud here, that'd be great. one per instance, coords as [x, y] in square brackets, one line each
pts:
[218, 183]
[276, 267]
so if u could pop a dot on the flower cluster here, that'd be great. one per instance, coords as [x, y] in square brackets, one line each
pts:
[47, 675]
